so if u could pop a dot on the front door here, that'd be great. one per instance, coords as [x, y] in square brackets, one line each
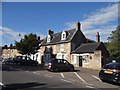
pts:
[80, 61]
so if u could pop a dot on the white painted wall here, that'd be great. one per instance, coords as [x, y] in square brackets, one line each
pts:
[36, 57]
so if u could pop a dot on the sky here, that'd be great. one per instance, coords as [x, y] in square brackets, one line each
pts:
[37, 17]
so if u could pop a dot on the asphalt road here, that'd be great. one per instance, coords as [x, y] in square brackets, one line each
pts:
[35, 77]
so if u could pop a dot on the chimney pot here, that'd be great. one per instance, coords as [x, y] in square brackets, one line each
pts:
[50, 32]
[78, 26]
[38, 38]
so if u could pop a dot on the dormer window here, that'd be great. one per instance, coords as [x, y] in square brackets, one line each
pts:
[63, 36]
[48, 38]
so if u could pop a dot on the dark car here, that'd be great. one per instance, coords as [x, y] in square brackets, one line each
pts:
[60, 65]
[8, 61]
[110, 73]
[23, 60]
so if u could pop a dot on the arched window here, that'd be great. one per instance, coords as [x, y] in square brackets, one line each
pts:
[63, 36]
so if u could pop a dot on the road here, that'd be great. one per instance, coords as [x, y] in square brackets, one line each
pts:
[35, 77]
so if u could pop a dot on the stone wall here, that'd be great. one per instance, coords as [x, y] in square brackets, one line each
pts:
[10, 53]
[63, 48]
[94, 60]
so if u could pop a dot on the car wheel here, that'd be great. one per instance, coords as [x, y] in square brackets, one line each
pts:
[6, 63]
[56, 69]
[72, 69]
[18, 63]
[34, 64]
[102, 80]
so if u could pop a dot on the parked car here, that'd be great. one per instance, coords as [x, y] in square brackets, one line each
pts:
[60, 65]
[24, 60]
[8, 61]
[110, 72]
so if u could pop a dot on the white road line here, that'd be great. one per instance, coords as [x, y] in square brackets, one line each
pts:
[89, 86]
[2, 84]
[48, 76]
[80, 77]
[11, 68]
[35, 72]
[67, 80]
[96, 78]
[62, 75]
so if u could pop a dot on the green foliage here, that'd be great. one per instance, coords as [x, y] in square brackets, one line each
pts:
[28, 45]
[114, 44]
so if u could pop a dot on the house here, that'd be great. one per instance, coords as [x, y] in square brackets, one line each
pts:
[71, 45]
[9, 52]
[36, 56]
[91, 55]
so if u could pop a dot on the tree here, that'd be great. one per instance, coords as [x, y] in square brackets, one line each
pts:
[114, 44]
[28, 45]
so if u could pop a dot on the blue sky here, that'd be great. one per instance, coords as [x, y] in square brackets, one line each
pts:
[37, 17]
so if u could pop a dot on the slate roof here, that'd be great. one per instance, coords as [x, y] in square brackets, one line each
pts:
[56, 38]
[87, 47]
[12, 47]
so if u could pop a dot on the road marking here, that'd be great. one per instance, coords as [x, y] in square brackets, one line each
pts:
[2, 84]
[35, 72]
[62, 75]
[89, 86]
[11, 68]
[67, 80]
[80, 77]
[48, 76]
[96, 78]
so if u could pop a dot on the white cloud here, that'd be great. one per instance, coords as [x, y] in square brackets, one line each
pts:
[9, 36]
[7, 32]
[98, 21]
[104, 32]
[101, 16]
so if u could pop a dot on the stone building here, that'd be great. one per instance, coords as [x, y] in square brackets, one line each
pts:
[9, 52]
[69, 44]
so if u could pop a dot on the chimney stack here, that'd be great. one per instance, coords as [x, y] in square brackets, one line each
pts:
[78, 26]
[97, 37]
[50, 32]
[38, 37]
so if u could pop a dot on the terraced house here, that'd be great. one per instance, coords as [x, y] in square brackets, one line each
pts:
[73, 46]
[9, 52]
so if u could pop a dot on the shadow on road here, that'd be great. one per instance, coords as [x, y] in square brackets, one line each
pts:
[113, 83]
[12, 67]
[22, 86]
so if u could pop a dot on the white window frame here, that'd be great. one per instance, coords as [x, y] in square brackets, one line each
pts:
[63, 36]
[61, 47]
[86, 59]
[74, 59]
[61, 55]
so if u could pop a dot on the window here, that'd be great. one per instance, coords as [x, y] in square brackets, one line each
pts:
[74, 59]
[63, 36]
[61, 47]
[86, 58]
